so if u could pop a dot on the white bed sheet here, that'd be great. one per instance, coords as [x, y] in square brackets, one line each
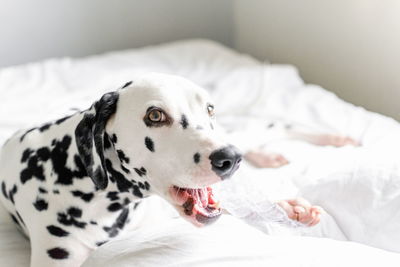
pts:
[359, 187]
[230, 242]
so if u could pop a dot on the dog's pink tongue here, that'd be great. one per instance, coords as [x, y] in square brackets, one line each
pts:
[202, 196]
[196, 201]
[203, 201]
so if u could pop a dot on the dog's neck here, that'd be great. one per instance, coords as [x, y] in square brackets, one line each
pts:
[123, 178]
[125, 185]
[107, 211]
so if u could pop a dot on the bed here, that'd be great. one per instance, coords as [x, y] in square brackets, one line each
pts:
[359, 188]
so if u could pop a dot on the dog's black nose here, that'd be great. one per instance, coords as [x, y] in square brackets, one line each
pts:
[225, 161]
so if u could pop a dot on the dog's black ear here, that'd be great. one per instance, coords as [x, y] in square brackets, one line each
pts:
[90, 133]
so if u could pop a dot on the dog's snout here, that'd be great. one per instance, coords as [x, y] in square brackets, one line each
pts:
[225, 161]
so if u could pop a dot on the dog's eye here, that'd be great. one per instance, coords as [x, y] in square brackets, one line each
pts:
[156, 116]
[210, 110]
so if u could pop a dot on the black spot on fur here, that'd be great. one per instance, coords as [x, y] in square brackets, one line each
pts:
[71, 217]
[43, 153]
[20, 218]
[32, 170]
[122, 157]
[23, 136]
[127, 84]
[270, 125]
[136, 191]
[14, 219]
[57, 231]
[42, 190]
[12, 192]
[141, 172]
[58, 253]
[93, 222]
[59, 121]
[42, 128]
[58, 156]
[26, 154]
[126, 170]
[126, 201]
[114, 206]
[123, 184]
[146, 185]
[141, 185]
[101, 243]
[80, 172]
[114, 138]
[87, 197]
[212, 126]
[75, 212]
[45, 127]
[119, 224]
[107, 142]
[40, 204]
[4, 190]
[56, 191]
[184, 122]
[113, 195]
[196, 158]
[149, 143]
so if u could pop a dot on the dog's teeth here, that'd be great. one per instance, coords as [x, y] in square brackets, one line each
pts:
[215, 205]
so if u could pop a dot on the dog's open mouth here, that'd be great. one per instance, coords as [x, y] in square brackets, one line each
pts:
[197, 205]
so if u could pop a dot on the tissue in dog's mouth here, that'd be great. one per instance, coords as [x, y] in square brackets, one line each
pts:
[196, 204]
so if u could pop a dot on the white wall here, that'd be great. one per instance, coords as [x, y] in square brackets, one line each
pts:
[32, 30]
[351, 47]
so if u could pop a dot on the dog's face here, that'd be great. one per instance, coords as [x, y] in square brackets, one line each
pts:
[163, 131]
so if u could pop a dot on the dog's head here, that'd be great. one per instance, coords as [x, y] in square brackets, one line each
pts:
[158, 135]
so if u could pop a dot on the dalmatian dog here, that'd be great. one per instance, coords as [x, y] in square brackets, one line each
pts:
[75, 183]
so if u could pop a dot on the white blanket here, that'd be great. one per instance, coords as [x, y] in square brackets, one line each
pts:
[358, 187]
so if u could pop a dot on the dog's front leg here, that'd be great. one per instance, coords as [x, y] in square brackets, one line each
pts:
[62, 251]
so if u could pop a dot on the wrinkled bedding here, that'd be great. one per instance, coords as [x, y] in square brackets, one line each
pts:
[359, 188]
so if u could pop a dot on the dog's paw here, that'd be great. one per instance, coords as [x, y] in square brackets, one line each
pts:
[335, 140]
[262, 159]
[302, 211]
